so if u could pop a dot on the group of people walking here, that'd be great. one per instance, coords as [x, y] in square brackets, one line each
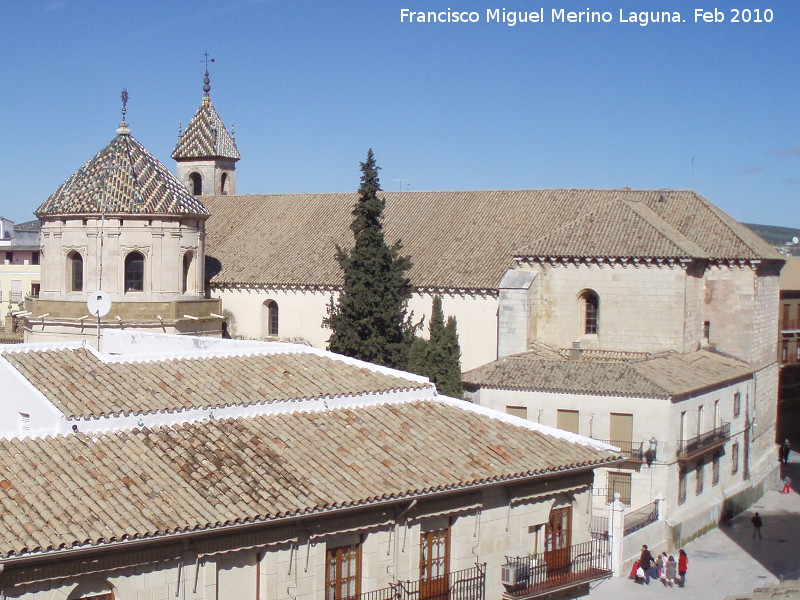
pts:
[664, 568]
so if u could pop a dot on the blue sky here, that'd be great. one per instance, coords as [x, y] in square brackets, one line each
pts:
[310, 86]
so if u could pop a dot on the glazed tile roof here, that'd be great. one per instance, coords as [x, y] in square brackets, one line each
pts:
[205, 136]
[128, 179]
[81, 385]
[660, 376]
[467, 240]
[82, 490]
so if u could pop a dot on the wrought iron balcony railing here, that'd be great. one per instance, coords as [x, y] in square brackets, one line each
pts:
[705, 441]
[636, 450]
[467, 584]
[540, 574]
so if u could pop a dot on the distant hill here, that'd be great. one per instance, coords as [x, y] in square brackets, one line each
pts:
[777, 236]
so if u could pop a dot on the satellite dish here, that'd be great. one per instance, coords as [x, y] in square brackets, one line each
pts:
[99, 303]
[795, 240]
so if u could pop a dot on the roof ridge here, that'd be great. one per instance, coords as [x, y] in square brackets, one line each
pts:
[661, 225]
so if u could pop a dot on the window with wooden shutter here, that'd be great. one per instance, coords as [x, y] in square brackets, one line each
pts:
[237, 577]
[518, 411]
[343, 572]
[434, 564]
[567, 420]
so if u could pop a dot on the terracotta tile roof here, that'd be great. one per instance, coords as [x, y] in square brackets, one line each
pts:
[81, 385]
[75, 490]
[205, 136]
[467, 240]
[619, 228]
[661, 376]
[135, 184]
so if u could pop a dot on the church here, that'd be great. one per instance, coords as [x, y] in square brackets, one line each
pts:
[644, 318]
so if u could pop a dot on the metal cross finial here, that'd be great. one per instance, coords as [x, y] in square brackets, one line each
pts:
[206, 78]
[124, 103]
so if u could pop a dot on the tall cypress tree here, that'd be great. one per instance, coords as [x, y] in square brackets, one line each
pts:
[369, 319]
[451, 380]
[439, 357]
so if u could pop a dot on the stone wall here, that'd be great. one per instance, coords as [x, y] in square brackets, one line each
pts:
[642, 308]
[163, 242]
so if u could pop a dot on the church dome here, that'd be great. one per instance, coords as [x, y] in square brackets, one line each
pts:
[122, 179]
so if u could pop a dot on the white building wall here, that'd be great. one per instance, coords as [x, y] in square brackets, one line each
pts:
[659, 419]
[301, 313]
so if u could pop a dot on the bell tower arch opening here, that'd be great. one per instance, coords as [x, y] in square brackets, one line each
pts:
[196, 183]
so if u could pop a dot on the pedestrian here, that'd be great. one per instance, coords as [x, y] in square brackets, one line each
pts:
[786, 448]
[787, 485]
[672, 570]
[757, 523]
[645, 560]
[683, 566]
[662, 566]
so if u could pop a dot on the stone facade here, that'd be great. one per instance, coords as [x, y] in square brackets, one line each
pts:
[216, 177]
[289, 560]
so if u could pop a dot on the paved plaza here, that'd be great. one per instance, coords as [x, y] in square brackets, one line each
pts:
[728, 562]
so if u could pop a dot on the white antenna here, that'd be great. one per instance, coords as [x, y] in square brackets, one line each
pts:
[99, 303]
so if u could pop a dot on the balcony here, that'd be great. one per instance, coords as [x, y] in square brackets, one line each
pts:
[639, 451]
[790, 325]
[542, 574]
[467, 584]
[688, 449]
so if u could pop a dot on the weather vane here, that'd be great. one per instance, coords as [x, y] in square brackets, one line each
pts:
[206, 78]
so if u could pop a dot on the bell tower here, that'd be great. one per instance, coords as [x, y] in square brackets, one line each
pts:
[206, 153]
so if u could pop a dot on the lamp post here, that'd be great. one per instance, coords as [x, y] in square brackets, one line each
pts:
[651, 454]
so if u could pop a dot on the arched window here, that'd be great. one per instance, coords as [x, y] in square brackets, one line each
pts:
[74, 272]
[197, 184]
[189, 280]
[269, 313]
[223, 184]
[591, 312]
[134, 272]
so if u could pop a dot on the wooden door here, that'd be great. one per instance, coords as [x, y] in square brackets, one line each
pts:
[434, 564]
[558, 539]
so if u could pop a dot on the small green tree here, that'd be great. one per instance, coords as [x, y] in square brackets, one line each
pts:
[369, 319]
[439, 357]
[451, 376]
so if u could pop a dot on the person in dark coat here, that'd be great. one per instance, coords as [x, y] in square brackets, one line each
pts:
[757, 523]
[645, 560]
[786, 448]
